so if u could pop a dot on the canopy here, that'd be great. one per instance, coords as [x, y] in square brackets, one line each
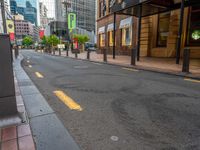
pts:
[101, 30]
[149, 7]
[110, 27]
[126, 22]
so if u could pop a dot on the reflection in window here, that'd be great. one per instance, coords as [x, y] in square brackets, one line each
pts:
[194, 27]
[126, 36]
[163, 29]
[102, 40]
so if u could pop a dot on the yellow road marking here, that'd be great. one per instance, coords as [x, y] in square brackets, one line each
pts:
[192, 80]
[97, 63]
[68, 101]
[130, 69]
[29, 66]
[39, 75]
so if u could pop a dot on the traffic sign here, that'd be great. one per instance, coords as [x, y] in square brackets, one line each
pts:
[71, 21]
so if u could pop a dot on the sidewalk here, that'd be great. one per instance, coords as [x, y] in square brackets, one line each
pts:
[44, 130]
[17, 137]
[162, 65]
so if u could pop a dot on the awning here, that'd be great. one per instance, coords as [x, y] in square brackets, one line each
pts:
[110, 27]
[101, 30]
[126, 23]
[149, 7]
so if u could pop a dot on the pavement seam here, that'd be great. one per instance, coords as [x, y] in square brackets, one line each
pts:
[43, 115]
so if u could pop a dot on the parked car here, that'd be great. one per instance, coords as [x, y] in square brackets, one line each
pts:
[90, 46]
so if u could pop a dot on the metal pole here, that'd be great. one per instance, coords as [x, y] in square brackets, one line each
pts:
[186, 60]
[178, 47]
[114, 27]
[139, 31]
[3, 16]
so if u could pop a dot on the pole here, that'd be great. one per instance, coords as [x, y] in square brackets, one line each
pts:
[180, 33]
[114, 27]
[3, 16]
[139, 31]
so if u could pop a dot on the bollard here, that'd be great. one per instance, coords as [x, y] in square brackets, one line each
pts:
[59, 51]
[16, 52]
[76, 54]
[104, 55]
[133, 55]
[67, 52]
[186, 60]
[54, 51]
[88, 54]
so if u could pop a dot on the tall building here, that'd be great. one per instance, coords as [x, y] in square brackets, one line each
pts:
[28, 8]
[50, 5]
[43, 15]
[85, 11]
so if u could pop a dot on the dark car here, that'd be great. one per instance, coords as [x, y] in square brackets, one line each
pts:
[90, 46]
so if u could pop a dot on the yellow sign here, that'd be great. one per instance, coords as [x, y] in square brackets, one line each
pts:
[10, 26]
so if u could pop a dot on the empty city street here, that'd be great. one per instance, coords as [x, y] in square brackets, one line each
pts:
[106, 107]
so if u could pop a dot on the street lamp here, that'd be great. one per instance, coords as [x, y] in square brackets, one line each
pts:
[3, 15]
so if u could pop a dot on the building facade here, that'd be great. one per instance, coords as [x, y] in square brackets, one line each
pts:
[158, 35]
[43, 15]
[28, 8]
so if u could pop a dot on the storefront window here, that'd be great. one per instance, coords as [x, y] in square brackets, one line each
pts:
[163, 29]
[102, 40]
[110, 35]
[126, 36]
[194, 27]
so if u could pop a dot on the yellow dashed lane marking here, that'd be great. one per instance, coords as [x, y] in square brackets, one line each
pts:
[68, 101]
[130, 69]
[39, 75]
[192, 80]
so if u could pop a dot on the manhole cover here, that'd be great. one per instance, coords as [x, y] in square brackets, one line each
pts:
[114, 138]
[80, 67]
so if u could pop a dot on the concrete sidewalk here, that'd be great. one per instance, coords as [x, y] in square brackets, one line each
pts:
[161, 65]
[44, 130]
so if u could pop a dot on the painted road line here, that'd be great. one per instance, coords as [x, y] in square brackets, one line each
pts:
[29, 66]
[39, 75]
[68, 101]
[97, 64]
[28, 61]
[130, 69]
[192, 80]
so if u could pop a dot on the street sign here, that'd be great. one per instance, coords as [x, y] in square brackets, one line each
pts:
[61, 46]
[71, 21]
[10, 26]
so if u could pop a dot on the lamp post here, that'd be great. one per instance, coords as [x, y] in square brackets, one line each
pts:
[3, 15]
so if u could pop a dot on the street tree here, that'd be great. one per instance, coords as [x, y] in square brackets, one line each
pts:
[27, 41]
[82, 39]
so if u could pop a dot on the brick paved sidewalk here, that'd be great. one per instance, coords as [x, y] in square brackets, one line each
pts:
[166, 65]
[17, 137]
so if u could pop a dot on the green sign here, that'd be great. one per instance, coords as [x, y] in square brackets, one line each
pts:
[196, 34]
[71, 21]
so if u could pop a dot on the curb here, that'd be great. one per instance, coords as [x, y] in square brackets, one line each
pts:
[184, 75]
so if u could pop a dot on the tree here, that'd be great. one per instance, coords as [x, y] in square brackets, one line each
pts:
[27, 41]
[44, 40]
[53, 40]
[82, 39]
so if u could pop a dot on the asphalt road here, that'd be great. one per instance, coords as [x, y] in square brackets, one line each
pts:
[121, 109]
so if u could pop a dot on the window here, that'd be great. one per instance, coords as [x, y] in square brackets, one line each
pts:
[194, 27]
[102, 8]
[110, 36]
[163, 29]
[102, 40]
[126, 36]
